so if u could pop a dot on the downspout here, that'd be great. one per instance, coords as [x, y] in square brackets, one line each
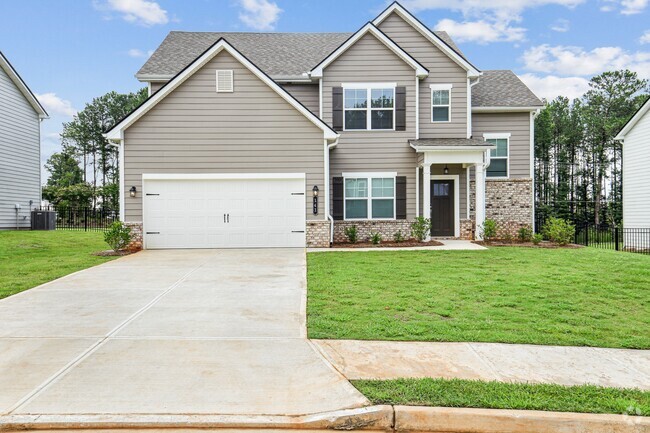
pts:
[329, 147]
[533, 115]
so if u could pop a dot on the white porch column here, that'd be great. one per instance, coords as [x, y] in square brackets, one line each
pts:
[479, 207]
[426, 191]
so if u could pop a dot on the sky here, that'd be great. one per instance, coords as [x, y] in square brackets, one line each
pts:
[69, 51]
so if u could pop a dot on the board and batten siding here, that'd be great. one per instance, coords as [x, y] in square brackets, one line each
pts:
[368, 61]
[307, 94]
[442, 70]
[20, 155]
[636, 176]
[196, 130]
[518, 125]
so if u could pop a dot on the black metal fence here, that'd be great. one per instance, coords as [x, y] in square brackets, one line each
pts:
[83, 218]
[636, 240]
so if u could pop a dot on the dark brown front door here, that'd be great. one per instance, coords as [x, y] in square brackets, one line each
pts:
[442, 208]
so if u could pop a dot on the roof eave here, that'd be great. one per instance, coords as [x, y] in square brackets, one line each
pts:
[645, 107]
[510, 109]
[18, 81]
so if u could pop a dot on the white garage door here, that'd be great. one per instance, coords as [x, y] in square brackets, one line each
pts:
[233, 211]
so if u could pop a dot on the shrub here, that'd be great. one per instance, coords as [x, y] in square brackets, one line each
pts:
[398, 236]
[118, 236]
[489, 229]
[525, 234]
[508, 238]
[375, 238]
[537, 238]
[559, 230]
[420, 228]
[352, 234]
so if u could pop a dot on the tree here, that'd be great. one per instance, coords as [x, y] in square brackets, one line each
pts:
[64, 169]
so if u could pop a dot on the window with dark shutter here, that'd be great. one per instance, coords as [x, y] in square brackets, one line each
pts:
[400, 108]
[337, 108]
[337, 198]
[400, 197]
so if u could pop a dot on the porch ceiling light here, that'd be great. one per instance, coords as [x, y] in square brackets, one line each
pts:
[446, 169]
[132, 191]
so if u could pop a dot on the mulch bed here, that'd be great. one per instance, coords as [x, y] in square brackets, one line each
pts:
[405, 244]
[543, 244]
[111, 253]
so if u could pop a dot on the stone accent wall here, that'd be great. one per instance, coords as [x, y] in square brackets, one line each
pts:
[136, 236]
[318, 234]
[467, 229]
[364, 228]
[507, 201]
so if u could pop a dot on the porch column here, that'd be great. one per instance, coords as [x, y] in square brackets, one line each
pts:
[479, 200]
[426, 191]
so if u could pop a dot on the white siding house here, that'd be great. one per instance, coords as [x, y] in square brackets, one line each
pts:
[635, 137]
[20, 149]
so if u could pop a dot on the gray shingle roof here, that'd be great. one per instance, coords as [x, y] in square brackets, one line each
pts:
[277, 54]
[434, 142]
[502, 88]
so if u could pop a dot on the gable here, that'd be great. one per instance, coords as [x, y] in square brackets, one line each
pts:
[12, 79]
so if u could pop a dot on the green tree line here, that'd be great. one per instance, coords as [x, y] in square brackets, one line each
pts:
[85, 172]
[578, 170]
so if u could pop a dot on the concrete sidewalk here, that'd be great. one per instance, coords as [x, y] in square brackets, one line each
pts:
[168, 332]
[620, 368]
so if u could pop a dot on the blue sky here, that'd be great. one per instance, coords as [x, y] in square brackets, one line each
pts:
[69, 51]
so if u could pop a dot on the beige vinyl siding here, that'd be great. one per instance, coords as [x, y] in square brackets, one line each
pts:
[367, 61]
[442, 70]
[454, 169]
[155, 86]
[196, 130]
[636, 176]
[20, 155]
[307, 94]
[517, 124]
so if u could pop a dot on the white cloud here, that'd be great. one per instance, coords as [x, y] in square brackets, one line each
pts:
[561, 25]
[259, 14]
[482, 31]
[567, 60]
[138, 53]
[645, 37]
[55, 105]
[473, 7]
[551, 86]
[625, 7]
[143, 12]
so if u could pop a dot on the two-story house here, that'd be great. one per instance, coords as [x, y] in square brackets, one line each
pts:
[285, 139]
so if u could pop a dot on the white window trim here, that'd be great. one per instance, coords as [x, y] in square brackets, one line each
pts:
[368, 87]
[369, 176]
[496, 136]
[434, 87]
[456, 179]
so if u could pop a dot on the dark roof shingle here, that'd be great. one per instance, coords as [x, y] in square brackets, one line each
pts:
[502, 88]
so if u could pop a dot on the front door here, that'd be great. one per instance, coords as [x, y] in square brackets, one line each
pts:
[442, 207]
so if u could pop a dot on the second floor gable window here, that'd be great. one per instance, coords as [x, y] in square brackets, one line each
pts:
[369, 107]
[440, 102]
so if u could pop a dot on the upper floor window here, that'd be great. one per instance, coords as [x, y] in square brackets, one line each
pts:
[369, 106]
[499, 156]
[440, 102]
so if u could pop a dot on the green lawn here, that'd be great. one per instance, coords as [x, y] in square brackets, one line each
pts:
[30, 258]
[582, 297]
[498, 395]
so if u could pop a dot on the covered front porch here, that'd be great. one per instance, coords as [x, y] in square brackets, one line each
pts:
[446, 169]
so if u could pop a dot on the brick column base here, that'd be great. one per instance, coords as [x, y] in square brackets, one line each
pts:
[509, 202]
[136, 236]
[318, 234]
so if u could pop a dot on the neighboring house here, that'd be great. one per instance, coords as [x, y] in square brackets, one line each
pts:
[20, 149]
[242, 130]
[635, 137]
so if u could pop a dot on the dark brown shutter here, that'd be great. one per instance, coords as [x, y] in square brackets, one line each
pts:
[400, 197]
[337, 198]
[400, 109]
[337, 108]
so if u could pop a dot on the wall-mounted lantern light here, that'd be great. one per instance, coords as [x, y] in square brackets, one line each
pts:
[314, 192]
[446, 169]
[132, 191]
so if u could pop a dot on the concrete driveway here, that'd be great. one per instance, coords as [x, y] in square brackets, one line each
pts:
[169, 332]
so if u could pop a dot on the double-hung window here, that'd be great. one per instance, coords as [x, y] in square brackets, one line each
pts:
[369, 106]
[499, 156]
[440, 102]
[369, 196]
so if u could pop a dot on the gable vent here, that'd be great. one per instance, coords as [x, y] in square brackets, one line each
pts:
[224, 81]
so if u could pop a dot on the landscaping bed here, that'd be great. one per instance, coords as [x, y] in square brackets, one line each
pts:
[500, 395]
[575, 297]
[506, 243]
[31, 258]
[405, 244]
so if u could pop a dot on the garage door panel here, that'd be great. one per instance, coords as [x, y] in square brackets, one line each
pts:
[190, 213]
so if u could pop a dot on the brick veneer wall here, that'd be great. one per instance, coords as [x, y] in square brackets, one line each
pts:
[318, 234]
[509, 202]
[136, 236]
[364, 228]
